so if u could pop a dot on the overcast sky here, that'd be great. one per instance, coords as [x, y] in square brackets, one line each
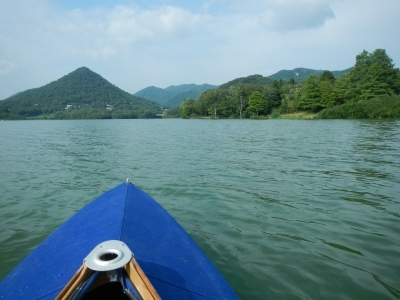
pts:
[139, 43]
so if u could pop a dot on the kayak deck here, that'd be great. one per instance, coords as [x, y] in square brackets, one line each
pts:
[173, 262]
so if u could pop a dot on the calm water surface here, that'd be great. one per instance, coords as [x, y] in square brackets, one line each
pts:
[286, 209]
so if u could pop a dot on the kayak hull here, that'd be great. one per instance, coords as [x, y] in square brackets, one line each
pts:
[173, 262]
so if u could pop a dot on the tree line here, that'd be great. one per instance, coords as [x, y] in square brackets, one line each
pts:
[369, 90]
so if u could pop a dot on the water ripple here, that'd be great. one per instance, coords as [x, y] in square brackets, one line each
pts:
[285, 209]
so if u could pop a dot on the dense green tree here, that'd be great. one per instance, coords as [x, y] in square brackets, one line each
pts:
[290, 100]
[273, 95]
[238, 96]
[373, 75]
[327, 94]
[257, 103]
[227, 107]
[326, 84]
[311, 96]
[342, 90]
[187, 108]
[327, 76]
[206, 99]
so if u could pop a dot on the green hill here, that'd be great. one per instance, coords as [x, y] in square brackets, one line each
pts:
[301, 74]
[252, 80]
[173, 95]
[82, 90]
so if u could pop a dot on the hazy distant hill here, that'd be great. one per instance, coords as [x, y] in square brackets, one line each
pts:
[176, 100]
[154, 93]
[300, 74]
[81, 88]
[173, 95]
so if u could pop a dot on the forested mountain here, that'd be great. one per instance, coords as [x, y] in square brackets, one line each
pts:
[301, 74]
[252, 79]
[370, 89]
[87, 95]
[173, 95]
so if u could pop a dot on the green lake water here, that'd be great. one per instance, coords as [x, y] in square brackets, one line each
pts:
[286, 209]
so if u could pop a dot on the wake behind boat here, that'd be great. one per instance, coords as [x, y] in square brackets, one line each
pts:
[129, 235]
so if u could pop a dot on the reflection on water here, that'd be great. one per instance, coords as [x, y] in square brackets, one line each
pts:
[286, 209]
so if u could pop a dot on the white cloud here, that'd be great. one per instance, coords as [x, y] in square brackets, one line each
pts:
[285, 15]
[125, 26]
[135, 46]
[101, 34]
[130, 25]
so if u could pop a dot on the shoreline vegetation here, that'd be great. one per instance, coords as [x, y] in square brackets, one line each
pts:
[368, 90]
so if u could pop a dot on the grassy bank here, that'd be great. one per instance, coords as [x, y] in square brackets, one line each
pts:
[298, 115]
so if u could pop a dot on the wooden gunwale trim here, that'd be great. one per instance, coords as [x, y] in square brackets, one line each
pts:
[140, 281]
[80, 276]
[132, 268]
